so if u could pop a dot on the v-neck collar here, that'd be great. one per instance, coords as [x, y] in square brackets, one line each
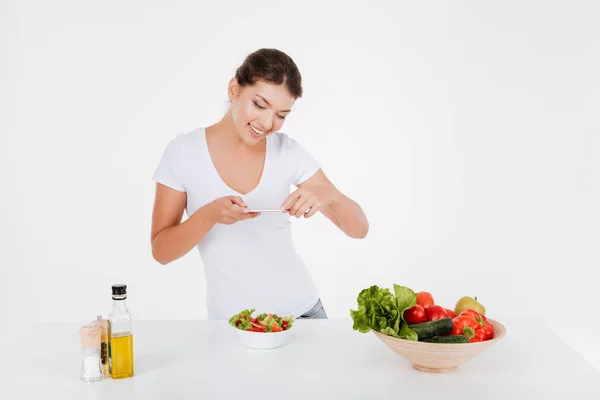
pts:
[220, 178]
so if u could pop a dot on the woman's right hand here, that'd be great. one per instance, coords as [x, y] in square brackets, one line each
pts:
[230, 209]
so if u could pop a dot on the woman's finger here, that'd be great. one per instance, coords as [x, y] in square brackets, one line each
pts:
[248, 216]
[239, 214]
[237, 210]
[313, 210]
[305, 207]
[291, 199]
[238, 200]
[296, 206]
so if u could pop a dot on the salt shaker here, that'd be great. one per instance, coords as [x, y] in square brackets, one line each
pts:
[91, 367]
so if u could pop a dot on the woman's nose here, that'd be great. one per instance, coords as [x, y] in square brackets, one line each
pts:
[266, 121]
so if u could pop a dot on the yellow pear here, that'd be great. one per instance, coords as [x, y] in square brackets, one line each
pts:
[466, 302]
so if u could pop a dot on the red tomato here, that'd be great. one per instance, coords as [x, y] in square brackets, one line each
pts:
[258, 326]
[284, 325]
[424, 299]
[436, 312]
[276, 328]
[415, 315]
[450, 313]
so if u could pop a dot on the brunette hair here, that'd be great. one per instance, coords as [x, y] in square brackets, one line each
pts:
[271, 66]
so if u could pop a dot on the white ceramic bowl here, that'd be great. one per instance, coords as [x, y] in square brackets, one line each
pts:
[263, 340]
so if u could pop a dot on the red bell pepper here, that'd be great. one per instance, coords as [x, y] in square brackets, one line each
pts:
[482, 320]
[489, 331]
[467, 326]
[479, 335]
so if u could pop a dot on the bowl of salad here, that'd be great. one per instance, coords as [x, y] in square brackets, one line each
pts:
[262, 332]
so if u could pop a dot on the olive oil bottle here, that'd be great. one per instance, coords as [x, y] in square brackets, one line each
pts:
[120, 347]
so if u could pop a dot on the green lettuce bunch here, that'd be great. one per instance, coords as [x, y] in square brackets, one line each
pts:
[383, 311]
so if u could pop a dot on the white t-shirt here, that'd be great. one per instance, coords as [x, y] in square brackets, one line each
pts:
[251, 263]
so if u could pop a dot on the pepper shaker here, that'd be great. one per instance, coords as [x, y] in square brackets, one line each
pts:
[104, 339]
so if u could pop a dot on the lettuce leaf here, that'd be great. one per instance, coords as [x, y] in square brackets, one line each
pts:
[289, 319]
[406, 298]
[382, 310]
[247, 313]
[377, 309]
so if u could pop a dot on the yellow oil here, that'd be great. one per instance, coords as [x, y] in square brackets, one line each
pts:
[121, 355]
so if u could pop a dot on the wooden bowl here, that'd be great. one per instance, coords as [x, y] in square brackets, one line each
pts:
[440, 357]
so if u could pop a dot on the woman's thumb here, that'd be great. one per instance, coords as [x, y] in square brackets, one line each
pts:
[238, 200]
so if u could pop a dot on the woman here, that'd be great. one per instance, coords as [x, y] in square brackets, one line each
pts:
[220, 173]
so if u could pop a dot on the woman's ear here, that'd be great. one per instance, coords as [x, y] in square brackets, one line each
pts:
[232, 89]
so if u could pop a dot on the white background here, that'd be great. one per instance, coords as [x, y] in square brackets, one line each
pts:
[468, 131]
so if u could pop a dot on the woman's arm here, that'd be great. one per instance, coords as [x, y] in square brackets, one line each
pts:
[172, 239]
[318, 194]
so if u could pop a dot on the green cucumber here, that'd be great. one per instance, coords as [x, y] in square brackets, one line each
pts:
[447, 339]
[439, 327]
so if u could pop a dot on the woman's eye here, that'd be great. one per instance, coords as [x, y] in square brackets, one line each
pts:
[262, 108]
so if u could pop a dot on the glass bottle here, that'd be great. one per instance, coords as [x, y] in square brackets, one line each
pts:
[121, 335]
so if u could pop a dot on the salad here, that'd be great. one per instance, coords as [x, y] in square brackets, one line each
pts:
[261, 323]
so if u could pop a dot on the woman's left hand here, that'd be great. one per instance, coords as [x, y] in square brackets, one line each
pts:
[308, 200]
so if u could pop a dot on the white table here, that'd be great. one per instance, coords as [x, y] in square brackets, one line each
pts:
[326, 360]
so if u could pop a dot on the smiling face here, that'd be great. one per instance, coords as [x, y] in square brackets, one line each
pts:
[258, 110]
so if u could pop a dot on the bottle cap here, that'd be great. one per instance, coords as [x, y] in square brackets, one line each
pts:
[119, 291]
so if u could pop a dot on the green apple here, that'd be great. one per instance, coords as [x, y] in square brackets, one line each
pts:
[466, 302]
